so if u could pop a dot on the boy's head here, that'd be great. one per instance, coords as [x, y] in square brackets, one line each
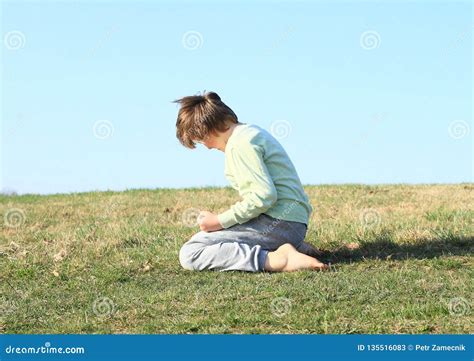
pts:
[201, 116]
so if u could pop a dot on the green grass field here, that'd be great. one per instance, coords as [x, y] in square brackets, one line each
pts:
[107, 262]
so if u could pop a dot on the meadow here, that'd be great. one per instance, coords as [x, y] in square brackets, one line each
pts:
[107, 262]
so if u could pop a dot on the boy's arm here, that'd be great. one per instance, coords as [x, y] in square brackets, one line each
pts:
[254, 182]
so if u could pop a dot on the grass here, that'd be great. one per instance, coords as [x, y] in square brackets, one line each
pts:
[106, 262]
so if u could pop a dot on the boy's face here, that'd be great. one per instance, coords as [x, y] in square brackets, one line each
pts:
[218, 140]
[210, 142]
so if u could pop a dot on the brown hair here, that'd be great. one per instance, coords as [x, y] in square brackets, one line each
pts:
[201, 115]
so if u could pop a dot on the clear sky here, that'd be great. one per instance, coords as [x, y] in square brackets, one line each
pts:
[358, 92]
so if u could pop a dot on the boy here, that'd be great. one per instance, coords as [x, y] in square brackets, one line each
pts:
[265, 231]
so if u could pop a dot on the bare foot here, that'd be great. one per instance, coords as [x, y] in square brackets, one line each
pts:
[287, 259]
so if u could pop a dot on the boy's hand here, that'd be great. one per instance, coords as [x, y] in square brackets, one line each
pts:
[208, 222]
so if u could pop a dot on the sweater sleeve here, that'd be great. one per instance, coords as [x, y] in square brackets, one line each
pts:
[254, 182]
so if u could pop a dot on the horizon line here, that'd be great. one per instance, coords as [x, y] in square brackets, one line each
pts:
[10, 192]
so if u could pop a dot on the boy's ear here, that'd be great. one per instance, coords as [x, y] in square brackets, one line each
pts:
[214, 133]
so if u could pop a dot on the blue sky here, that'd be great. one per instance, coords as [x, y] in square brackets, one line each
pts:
[363, 92]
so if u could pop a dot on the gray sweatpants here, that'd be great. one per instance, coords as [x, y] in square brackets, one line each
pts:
[241, 247]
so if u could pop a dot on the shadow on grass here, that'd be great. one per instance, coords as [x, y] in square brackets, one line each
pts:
[384, 248]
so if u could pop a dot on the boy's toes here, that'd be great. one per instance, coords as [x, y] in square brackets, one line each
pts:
[321, 266]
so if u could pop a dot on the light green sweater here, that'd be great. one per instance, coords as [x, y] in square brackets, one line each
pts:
[258, 167]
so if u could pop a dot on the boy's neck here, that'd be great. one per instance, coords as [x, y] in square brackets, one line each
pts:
[224, 137]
